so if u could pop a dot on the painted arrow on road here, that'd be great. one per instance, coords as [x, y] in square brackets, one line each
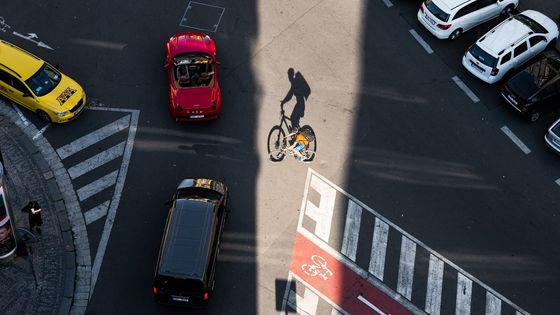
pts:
[31, 37]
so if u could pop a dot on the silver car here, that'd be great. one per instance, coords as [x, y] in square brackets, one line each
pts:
[552, 137]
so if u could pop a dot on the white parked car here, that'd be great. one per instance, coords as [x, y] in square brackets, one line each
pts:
[508, 45]
[450, 18]
[552, 137]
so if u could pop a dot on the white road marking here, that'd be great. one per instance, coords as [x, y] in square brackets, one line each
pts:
[20, 114]
[351, 230]
[204, 4]
[96, 213]
[406, 267]
[378, 249]
[388, 3]
[558, 182]
[99, 43]
[421, 41]
[31, 37]
[41, 131]
[466, 89]
[368, 303]
[93, 137]
[97, 185]
[515, 140]
[493, 304]
[116, 196]
[307, 303]
[464, 292]
[435, 283]
[324, 212]
[96, 161]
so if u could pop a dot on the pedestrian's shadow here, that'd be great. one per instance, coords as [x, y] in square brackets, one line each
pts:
[301, 90]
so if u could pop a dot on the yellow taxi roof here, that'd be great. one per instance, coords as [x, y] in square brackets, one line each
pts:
[24, 63]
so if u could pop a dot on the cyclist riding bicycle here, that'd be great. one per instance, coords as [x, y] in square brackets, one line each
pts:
[300, 143]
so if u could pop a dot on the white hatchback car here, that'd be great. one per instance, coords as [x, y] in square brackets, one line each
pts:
[508, 45]
[450, 18]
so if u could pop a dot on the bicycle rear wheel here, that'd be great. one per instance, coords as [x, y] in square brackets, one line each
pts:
[276, 144]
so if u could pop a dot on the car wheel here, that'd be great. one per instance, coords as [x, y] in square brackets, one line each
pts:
[507, 11]
[456, 33]
[44, 116]
[534, 116]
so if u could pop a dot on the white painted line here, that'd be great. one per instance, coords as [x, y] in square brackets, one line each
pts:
[306, 304]
[96, 161]
[465, 89]
[558, 182]
[202, 29]
[464, 292]
[97, 185]
[406, 267]
[96, 213]
[93, 137]
[20, 114]
[493, 304]
[312, 173]
[388, 3]
[421, 41]
[351, 230]
[435, 284]
[116, 198]
[378, 249]
[323, 213]
[368, 303]
[515, 140]
[41, 131]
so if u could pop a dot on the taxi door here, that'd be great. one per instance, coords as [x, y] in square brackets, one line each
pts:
[17, 91]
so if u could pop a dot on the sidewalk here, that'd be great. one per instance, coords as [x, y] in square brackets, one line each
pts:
[52, 256]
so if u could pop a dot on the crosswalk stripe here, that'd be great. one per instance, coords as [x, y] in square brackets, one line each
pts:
[464, 292]
[406, 267]
[97, 185]
[96, 161]
[493, 304]
[378, 249]
[435, 283]
[307, 303]
[96, 213]
[351, 230]
[93, 137]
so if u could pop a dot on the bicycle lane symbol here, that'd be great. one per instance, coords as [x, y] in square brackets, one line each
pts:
[317, 268]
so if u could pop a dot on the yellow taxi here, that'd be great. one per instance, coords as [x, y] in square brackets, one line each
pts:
[36, 85]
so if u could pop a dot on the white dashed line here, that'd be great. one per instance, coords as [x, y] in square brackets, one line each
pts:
[41, 132]
[421, 41]
[465, 89]
[25, 121]
[388, 3]
[515, 140]
[368, 303]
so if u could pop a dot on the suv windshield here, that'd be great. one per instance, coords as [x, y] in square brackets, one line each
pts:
[44, 80]
[483, 56]
[532, 24]
[436, 11]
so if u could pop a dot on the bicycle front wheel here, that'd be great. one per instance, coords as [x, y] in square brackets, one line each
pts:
[276, 144]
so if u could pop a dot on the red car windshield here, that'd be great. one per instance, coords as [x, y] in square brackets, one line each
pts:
[193, 70]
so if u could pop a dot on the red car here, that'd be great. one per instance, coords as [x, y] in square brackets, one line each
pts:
[194, 90]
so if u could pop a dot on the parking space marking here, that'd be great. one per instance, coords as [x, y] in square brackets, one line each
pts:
[421, 41]
[215, 26]
[515, 140]
[20, 114]
[466, 89]
[388, 3]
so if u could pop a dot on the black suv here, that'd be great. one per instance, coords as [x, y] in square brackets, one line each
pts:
[536, 87]
[191, 241]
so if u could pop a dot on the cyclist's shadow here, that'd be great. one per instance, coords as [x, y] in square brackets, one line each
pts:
[301, 90]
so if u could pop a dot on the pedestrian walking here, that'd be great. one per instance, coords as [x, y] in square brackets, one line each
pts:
[35, 220]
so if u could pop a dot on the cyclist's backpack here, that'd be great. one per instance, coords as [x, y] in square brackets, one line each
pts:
[308, 133]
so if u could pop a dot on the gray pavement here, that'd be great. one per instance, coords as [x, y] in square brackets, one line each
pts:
[43, 281]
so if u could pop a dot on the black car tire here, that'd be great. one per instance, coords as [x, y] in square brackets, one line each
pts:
[456, 33]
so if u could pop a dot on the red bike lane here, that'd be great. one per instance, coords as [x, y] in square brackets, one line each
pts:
[337, 282]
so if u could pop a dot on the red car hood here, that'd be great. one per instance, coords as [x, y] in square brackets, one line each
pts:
[192, 98]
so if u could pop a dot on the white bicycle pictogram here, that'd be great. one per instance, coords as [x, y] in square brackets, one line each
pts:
[318, 268]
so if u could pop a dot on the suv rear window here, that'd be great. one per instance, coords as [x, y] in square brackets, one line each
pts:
[179, 285]
[532, 24]
[436, 11]
[483, 56]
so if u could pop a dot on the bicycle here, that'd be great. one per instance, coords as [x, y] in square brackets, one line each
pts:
[318, 268]
[279, 142]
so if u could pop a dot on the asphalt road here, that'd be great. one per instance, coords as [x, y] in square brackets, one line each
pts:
[393, 129]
